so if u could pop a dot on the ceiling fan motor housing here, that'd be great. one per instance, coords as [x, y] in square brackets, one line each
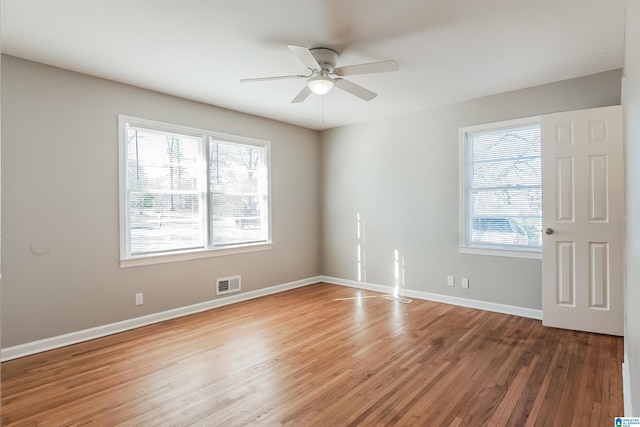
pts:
[326, 58]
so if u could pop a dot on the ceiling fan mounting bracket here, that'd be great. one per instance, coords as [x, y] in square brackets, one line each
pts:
[325, 57]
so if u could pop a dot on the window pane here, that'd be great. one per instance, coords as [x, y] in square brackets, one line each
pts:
[162, 179]
[504, 187]
[238, 193]
[511, 172]
[506, 217]
[165, 222]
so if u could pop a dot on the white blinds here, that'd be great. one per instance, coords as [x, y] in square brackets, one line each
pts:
[238, 193]
[189, 190]
[503, 188]
[165, 208]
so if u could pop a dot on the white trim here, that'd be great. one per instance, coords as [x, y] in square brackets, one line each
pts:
[504, 124]
[512, 253]
[503, 251]
[125, 325]
[189, 130]
[626, 388]
[196, 254]
[123, 201]
[207, 249]
[359, 285]
[446, 299]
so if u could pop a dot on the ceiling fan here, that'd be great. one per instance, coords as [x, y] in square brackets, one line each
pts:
[324, 75]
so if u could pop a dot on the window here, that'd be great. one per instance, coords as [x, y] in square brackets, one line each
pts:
[188, 193]
[502, 189]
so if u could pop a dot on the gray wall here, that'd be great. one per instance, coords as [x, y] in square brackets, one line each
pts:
[60, 187]
[402, 176]
[632, 110]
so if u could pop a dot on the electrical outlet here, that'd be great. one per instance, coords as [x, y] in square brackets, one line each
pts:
[451, 281]
[139, 299]
[465, 282]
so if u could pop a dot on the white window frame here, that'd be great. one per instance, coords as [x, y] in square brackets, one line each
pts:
[464, 247]
[128, 260]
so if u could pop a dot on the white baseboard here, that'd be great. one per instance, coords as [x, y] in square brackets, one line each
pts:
[626, 388]
[464, 302]
[125, 325]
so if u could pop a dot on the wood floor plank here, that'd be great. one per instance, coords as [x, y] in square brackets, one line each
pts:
[324, 355]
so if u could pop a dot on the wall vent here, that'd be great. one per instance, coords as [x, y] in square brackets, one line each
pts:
[225, 285]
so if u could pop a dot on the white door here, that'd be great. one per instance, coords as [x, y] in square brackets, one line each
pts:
[582, 220]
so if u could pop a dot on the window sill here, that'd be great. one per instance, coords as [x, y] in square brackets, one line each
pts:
[511, 253]
[191, 255]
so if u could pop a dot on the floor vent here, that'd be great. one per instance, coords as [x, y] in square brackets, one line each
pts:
[225, 285]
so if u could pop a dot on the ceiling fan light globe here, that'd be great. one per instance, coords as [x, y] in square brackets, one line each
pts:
[320, 85]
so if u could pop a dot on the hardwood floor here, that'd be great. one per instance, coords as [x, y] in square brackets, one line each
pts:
[324, 355]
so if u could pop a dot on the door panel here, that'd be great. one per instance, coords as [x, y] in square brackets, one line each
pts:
[599, 191]
[599, 275]
[582, 199]
[565, 202]
[565, 281]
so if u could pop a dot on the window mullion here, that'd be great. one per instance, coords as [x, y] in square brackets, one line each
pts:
[504, 187]
[204, 196]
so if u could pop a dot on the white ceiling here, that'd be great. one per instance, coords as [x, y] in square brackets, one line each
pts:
[448, 50]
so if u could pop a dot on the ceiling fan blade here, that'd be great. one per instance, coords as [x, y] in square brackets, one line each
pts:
[305, 56]
[355, 89]
[263, 79]
[369, 68]
[304, 93]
